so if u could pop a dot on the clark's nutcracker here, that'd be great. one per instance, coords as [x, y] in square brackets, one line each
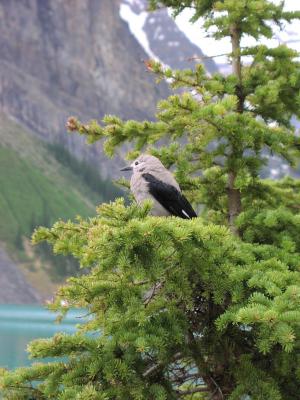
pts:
[151, 180]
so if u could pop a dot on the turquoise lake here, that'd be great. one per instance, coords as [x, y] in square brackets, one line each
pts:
[21, 324]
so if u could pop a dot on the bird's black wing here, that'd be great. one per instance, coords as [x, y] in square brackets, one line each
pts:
[169, 197]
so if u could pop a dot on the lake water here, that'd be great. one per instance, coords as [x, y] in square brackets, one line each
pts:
[21, 324]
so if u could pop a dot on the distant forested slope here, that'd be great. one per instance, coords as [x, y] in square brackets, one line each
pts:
[40, 184]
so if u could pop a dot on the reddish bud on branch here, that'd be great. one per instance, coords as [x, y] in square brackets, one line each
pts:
[72, 124]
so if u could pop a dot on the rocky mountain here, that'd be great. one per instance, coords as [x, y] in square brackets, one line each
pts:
[161, 38]
[14, 287]
[71, 57]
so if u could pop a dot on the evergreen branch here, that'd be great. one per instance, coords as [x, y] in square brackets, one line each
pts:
[155, 367]
[153, 291]
[218, 389]
[192, 391]
[140, 283]
[39, 395]
[208, 57]
[184, 376]
[216, 56]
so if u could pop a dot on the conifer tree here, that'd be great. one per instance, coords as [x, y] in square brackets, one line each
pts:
[191, 309]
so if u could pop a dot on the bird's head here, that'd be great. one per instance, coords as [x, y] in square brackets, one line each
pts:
[145, 163]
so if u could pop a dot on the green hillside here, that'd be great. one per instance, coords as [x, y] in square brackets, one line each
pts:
[38, 185]
[29, 197]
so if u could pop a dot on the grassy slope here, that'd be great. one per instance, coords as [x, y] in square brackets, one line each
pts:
[27, 197]
[35, 188]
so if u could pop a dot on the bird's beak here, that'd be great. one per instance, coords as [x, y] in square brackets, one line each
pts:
[126, 169]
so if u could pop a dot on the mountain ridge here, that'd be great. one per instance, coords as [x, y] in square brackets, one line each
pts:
[62, 58]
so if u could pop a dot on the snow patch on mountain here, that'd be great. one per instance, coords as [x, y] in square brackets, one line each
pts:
[136, 22]
[160, 37]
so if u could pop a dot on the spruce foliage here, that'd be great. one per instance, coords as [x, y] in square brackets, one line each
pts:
[201, 309]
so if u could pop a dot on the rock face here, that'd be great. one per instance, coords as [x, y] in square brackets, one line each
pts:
[71, 57]
[14, 287]
[164, 39]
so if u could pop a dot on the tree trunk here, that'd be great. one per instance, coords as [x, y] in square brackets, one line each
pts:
[234, 203]
[237, 65]
[216, 391]
[234, 195]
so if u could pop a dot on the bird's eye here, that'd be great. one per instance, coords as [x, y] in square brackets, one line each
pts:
[136, 163]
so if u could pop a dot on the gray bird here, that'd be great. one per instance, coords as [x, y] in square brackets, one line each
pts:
[151, 180]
